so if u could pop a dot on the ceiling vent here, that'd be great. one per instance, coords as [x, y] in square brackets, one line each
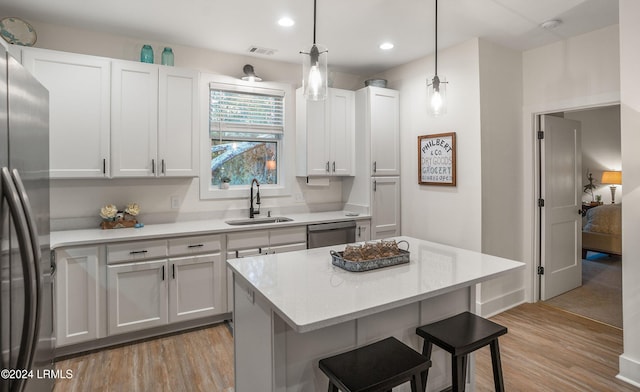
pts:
[263, 51]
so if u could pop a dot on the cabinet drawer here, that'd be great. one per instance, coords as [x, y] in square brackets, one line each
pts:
[195, 245]
[135, 251]
[288, 235]
[248, 239]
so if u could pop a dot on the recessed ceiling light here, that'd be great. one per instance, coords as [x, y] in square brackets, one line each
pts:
[386, 46]
[286, 22]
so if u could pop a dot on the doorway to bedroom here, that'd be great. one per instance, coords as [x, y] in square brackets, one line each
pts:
[599, 294]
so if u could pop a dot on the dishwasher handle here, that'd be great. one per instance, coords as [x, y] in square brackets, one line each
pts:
[331, 226]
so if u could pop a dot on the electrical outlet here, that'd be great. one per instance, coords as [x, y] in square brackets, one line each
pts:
[175, 202]
[298, 197]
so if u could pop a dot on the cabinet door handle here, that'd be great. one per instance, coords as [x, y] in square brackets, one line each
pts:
[163, 172]
[200, 246]
[163, 272]
[375, 186]
[173, 270]
[135, 252]
[334, 166]
[359, 231]
[153, 166]
[327, 169]
[375, 166]
[237, 256]
[104, 166]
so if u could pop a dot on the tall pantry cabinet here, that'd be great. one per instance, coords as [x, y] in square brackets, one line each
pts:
[377, 180]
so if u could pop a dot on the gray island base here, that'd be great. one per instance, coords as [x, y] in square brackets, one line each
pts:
[293, 309]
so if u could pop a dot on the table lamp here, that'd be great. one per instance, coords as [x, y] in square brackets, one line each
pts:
[614, 178]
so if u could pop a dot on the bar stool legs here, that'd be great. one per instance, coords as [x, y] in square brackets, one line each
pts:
[461, 335]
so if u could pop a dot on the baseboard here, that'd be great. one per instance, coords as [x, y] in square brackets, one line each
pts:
[629, 371]
[501, 303]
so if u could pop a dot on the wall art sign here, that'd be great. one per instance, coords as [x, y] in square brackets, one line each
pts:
[437, 159]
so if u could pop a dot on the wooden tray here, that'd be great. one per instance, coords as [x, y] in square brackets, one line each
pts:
[367, 265]
[119, 224]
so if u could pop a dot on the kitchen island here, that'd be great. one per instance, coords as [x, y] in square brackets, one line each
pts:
[292, 309]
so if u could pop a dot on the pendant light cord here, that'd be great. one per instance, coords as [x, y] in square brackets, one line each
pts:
[435, 34]
[314, 22]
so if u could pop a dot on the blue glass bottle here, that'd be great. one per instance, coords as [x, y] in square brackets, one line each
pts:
[167, 56]
[146, 54]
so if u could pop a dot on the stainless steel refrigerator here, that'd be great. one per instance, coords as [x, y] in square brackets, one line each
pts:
[26, 302]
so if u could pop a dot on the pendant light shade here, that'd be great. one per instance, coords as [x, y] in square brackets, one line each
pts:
[437, 85]
[314, 68]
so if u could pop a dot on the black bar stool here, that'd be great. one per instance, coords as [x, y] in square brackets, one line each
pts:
[379, 366]
[460, 335]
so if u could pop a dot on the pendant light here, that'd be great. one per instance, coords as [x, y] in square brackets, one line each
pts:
[437, 86]
[314, 68]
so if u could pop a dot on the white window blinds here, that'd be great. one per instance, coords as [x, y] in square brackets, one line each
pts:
[238, 109]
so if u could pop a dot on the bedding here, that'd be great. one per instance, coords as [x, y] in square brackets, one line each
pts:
[602, 230]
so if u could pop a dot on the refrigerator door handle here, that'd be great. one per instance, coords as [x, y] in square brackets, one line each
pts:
[25, 355]
[36, 252]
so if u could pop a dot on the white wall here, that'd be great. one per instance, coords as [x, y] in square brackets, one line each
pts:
[75, 203]
[630, 122]
[600, 147]
[445, 214]
[577, 73]
[501, 116]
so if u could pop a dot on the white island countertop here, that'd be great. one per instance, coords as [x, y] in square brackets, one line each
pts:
[197, 227]
[310, 293]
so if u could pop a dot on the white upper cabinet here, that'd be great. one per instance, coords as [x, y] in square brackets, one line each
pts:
[178, 122]
[79, 100]
[134, 119]
[154, 120]
[379, 110]
[325, 132]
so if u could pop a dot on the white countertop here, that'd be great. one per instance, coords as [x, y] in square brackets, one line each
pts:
[309, 293]
[212, 226]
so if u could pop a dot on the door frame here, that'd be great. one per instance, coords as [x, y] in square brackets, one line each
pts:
[531, 171]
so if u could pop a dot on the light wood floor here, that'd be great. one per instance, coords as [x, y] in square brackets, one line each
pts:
[546, 349]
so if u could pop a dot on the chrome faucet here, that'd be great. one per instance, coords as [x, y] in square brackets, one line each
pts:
[252, 212]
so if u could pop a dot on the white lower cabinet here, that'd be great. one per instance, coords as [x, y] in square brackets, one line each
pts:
[79, 294]
[256, 242]
[194, 287]
[137, 296]
[363, 231]
[385, 207]
[186, 283]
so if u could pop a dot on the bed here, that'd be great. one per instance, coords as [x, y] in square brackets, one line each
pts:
[602, 230]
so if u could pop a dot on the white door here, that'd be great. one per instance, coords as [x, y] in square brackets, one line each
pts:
[77, 305]
[195, 287]
[136, 296]
[342, 126]
[561, 219]
[134, 119]
[178, 122]
[385, 132]
[385, 214]
[79, 116]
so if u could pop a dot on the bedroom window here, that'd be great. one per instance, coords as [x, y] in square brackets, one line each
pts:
[246, 130]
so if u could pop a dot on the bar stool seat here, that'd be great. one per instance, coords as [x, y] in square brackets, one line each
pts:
[460, 335]
[379, 366]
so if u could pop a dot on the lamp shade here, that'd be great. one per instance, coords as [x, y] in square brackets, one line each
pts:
[612, 177]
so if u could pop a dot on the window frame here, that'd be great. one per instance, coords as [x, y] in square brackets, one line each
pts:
[286, 151]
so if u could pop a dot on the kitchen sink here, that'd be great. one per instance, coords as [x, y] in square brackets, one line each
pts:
[256, 221]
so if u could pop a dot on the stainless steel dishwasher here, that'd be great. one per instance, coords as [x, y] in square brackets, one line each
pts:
[335, 233]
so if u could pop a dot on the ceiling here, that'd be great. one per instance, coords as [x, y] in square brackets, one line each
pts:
[351, 29]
